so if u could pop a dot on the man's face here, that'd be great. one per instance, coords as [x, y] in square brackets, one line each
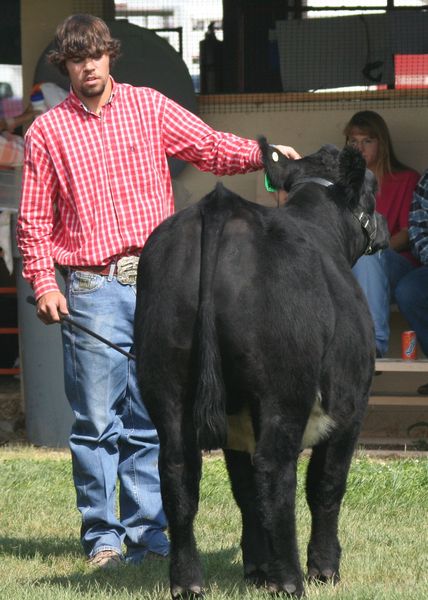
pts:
[89, 76]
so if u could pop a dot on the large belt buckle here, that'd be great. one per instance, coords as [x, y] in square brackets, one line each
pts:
[127, 267]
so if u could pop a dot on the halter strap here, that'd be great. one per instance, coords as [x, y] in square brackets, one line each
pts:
[368, 223]
[319, 180]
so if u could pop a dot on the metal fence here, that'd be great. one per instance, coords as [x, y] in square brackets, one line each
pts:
[274, 55]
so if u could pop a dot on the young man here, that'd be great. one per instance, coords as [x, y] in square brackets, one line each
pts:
[96, 183]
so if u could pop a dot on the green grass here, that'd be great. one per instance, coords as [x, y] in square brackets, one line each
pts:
[383, 531]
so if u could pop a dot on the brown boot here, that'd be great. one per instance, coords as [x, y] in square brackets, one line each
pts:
[105, 559]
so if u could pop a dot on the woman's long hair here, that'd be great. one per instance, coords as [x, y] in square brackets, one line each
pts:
[373, 125]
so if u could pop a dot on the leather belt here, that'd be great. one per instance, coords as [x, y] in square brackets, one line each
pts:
[124, 269]
[99, 270]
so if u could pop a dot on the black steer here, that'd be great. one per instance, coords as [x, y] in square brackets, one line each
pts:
[249, 311]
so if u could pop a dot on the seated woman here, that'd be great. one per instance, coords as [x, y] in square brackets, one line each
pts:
[380, 273]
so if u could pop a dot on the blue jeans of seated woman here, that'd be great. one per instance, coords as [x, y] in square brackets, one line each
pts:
[112, 436]
[371, 275]
[409, 289]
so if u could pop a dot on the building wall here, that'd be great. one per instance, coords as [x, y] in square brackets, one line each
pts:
[306, 131]
[39, 19]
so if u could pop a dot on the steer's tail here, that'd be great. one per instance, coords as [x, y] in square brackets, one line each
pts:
[210, 398]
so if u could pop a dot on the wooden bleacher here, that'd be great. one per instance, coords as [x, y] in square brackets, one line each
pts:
[397, 415]
[405, 366]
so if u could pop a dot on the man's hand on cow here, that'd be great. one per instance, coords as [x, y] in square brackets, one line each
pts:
[288, 151]
[51, 306]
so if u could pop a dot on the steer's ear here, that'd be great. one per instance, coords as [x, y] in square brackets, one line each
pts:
[352, 171]
[276, 164]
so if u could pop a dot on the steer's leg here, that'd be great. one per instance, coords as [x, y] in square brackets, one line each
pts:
[254, 543]
[180, 473]
[275, 462]
[325, 486]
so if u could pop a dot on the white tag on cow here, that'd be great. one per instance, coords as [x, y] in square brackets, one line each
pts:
[275, 156]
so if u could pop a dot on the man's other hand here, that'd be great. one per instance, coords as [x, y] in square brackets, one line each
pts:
[51, 306]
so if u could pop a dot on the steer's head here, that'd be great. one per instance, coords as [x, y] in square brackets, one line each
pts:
[345, 178]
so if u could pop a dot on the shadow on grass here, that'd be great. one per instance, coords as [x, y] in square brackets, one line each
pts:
[220, 568]
[43, 547]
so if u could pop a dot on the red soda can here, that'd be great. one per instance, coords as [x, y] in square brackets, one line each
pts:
[408, 345]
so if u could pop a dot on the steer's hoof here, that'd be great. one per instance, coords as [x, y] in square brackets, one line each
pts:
[323, 576]
[190, 593]
[256, 577]
[289, 589]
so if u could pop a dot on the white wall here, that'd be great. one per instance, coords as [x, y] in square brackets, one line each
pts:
[306, 131]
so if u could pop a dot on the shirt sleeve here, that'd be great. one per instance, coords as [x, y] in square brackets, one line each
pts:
[36, 216]
[418, 221]
[187, 137]
[408, 189]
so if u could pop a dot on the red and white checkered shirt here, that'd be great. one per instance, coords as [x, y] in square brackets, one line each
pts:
[95, 186]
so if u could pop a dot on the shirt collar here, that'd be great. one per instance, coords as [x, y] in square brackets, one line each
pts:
[77, 103]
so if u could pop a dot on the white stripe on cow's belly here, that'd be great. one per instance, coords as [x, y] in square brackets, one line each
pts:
[319, 425]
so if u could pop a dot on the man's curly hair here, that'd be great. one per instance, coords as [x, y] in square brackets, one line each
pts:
[82, 36]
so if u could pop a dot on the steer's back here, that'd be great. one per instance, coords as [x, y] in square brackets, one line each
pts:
[284, 309]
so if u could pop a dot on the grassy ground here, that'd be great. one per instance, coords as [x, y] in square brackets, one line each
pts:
[384, 525]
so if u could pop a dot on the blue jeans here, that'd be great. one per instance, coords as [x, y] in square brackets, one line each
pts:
[112, 437]
[371, 275]
[410, 292]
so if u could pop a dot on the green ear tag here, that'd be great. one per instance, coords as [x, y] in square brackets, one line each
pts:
[268, 184]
